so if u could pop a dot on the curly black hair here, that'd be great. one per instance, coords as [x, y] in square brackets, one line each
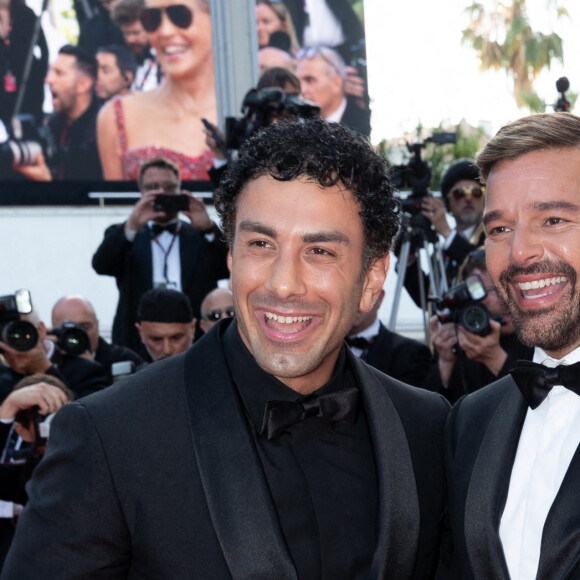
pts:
[326, 153]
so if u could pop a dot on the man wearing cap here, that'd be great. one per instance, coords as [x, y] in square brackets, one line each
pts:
[165, 323]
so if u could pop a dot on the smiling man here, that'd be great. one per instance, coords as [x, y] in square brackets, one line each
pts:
[515, 465]
[268, 450]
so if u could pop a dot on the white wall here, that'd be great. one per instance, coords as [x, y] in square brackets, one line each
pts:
[49, 250]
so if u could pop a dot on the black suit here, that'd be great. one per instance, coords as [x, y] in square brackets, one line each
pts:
[402, 358]
[356, 118]
[484, 430]
[203, 263]
[352, 29]
[202, 508]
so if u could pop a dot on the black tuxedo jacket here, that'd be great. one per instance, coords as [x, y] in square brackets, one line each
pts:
[352, 29]
[162, 479]
[402, 358]
[483, 433]
[203, 263]
[356, 118]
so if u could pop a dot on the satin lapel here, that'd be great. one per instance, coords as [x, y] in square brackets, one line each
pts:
[560, 550]
[236, 490]
[188, 247]
[398, 526]
[142, 252]
[489, 485]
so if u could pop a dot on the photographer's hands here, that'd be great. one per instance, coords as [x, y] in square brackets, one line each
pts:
[433, 209]
[484, 349]
[47, 398]
[27, 362]
[143, 211]
[197, 213]
[37, 172]
[444, 338]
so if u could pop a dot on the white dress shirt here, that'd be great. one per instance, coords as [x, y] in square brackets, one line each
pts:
[549, 438]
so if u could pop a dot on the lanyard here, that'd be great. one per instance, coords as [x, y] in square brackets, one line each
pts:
[166, 253]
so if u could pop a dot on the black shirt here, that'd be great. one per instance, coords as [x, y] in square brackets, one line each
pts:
[321, 475]
[76, 156]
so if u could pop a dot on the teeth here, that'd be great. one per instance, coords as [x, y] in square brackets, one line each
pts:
[542, 283]
[173, 49]
[287, 319]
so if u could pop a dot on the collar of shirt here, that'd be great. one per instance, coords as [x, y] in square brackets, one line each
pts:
[336, 116]
[370, 331]
[541, 357]
[256, 387]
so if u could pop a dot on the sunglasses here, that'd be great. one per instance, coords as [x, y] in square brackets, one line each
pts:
[475, 191]
[179, 14]
[216, 314]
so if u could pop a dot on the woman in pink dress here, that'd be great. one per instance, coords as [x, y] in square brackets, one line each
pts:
[166, 121]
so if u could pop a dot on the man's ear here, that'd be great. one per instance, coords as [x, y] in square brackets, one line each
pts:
[373, 283]
[85, 84]
[230, 264]
[138, 327]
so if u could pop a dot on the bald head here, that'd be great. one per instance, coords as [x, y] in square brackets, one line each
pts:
[77, 308]
[218, 299]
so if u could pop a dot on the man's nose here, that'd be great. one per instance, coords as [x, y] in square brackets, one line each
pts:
[526, 246]
[287, 275]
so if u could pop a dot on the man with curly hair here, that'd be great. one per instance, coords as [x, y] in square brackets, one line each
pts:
[268, 450]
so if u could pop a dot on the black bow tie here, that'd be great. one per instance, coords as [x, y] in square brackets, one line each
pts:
[279, 415]
[157, 229]
[357, 342]
[536, 381]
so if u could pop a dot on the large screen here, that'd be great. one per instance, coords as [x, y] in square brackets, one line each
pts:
[91, 89]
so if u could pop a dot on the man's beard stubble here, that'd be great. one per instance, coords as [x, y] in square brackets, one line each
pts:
[562, 329]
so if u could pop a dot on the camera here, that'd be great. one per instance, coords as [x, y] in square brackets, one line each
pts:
[416, 174]
[462, 305]
[24, 145]
[562, 104]
[19, 334]
[72, 338]
[171, 202]
[260, 108]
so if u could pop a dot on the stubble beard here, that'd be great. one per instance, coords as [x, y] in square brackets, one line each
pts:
[553, 329]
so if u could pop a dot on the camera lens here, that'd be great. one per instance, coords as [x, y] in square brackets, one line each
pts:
[20, 335]
[73, 341]
[475, 318]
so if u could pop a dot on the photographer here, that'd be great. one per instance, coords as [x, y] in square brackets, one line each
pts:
[80, 373]
[71, 80]
[154, 248]
[465, 361]
[37, 395]
[78, 309]
[463, 196]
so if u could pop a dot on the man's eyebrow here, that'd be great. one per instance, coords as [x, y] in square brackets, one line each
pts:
[537, 206]
[491, 216]
[331, 237]
[549, 205]
[251, 226]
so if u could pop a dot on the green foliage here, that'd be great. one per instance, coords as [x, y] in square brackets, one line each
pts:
[504, 39]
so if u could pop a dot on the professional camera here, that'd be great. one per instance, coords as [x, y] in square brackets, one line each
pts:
[72, 338]
[23, 146]
[18, 334]
[260, 108]
[462, 305]
[416, 174]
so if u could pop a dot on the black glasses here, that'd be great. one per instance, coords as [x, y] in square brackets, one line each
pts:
[166, 187]
[460, 192]
[179, 14]
[216, 314]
